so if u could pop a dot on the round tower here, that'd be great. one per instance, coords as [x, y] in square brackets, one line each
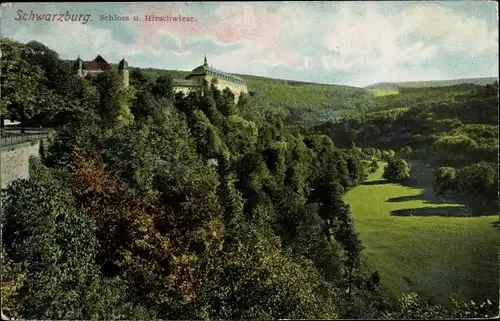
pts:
[123, 69]
[78, 66]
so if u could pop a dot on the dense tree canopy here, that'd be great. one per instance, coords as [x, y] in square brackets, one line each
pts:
[149, 206]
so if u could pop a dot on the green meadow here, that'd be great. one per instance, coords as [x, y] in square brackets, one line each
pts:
[420, 243]
[379, 92]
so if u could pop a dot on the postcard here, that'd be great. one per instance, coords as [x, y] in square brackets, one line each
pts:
[249, 160]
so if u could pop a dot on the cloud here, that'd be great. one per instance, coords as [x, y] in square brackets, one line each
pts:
[351, 42]
[397, 48]
[452, 30]
[88, 44]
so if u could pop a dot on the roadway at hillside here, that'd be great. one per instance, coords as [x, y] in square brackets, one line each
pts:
[13, 136]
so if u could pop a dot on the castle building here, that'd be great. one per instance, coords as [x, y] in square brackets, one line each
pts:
[221, 80]
[98, 65]
[192, 83]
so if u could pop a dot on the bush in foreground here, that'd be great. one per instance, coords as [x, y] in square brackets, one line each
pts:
[396, 170]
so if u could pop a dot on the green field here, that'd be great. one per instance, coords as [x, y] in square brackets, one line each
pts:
[378, 92]
[419, 244]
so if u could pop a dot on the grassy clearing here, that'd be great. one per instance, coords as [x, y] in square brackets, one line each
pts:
[378, 92]
[420, 245]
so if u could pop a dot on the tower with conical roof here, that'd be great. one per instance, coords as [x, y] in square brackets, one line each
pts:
[205, 61]
[123, 70]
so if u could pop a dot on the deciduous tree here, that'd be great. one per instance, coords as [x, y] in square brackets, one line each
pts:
[396, 170]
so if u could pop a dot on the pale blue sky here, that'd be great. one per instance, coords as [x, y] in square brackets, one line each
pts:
[350, 43]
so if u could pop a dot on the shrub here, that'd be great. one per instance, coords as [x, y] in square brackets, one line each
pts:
[445, 179]
[406, 150]
[396, 170]
[387, 155]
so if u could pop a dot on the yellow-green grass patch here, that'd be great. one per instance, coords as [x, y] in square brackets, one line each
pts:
[434, 255]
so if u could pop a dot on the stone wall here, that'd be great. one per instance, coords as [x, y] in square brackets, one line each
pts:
[14, 161]
[185, 90]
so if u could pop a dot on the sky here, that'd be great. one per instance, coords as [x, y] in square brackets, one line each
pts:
[349, 43]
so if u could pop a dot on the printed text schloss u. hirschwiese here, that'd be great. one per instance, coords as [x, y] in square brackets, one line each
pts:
[149, 18]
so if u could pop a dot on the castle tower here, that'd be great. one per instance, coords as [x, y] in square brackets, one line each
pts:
[123, 70]
[205, 61]
[78, 66]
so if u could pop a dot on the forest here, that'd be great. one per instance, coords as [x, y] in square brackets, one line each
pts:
[150, 205]
[304, 103]
[454, 129]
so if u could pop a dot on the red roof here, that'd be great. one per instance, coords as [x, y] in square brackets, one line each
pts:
[99, 63]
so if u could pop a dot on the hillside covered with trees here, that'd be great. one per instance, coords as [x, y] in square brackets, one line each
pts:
[148, 205]
[304, 103]
[436, 83]
[454, 129]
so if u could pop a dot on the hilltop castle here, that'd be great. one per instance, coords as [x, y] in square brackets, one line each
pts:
[221, 80]
[191, 83]
[98, 65]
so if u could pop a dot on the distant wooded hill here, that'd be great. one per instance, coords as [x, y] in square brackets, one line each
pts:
[434, 83]
[305, 102]
[251, 79]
